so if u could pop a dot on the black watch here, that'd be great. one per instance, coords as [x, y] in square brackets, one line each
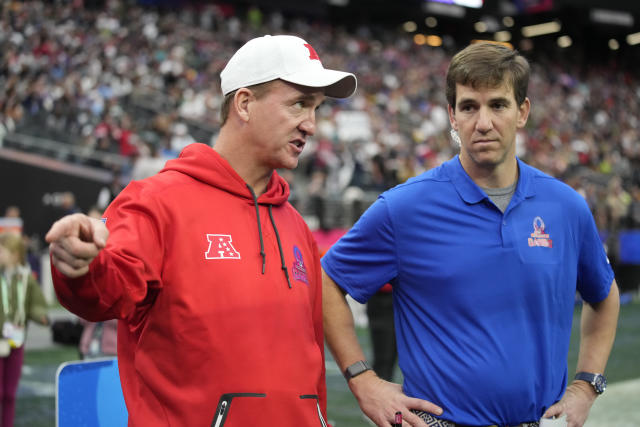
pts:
[356, 369]
[597, 381]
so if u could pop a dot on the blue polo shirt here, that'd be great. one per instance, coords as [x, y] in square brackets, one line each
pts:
[483, 300]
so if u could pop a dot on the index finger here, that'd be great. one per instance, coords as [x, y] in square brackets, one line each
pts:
[65, 226]
[422, 405]
[412, 419]
[80, 226]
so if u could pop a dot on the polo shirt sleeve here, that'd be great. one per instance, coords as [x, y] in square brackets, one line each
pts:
[364, 259]
[595, 274]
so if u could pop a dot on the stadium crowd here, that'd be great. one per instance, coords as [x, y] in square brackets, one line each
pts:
[142, 84]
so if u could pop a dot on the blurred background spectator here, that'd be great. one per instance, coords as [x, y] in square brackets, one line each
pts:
[112, 89]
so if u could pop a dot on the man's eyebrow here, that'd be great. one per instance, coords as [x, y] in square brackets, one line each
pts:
[502, 99]
[307, 98]
[467, 101]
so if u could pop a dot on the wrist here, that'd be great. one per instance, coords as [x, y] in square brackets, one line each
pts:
[355, 369]
[363, 383]
[596, 382]
[584, 388]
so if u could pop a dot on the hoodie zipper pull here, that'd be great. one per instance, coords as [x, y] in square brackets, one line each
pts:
[220, 417]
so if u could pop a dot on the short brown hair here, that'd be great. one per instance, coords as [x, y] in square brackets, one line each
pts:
[14, 243]
[258, 90]
[483, 65]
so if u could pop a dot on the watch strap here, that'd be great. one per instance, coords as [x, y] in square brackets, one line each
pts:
[597, 381]
[356, 369]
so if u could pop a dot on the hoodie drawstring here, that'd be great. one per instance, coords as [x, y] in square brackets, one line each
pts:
[255, 203]
[284, 266]
[273, 223]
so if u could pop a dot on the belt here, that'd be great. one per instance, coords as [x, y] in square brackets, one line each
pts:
[438, 422]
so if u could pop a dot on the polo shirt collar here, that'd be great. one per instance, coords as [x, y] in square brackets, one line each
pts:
[471, 193]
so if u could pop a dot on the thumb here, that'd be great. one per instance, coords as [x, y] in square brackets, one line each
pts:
[554, 410]
[100, 233]
[94, 231]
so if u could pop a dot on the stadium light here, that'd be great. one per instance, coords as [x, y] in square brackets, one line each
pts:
[434, 41]
[613, 44]
[508, 21]
[410, 26]
[541, 29]
[502, 36]
[564, 41]
[611, 17]
[480, 27]
[633, 39]
[445, 9]
[431, 22]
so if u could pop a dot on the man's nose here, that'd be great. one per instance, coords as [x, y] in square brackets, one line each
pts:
[485, 121]
[308, 125]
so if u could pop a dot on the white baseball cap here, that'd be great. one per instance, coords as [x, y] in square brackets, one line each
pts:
[288, 58]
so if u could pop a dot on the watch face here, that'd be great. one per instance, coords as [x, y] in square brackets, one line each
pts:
[600, 383]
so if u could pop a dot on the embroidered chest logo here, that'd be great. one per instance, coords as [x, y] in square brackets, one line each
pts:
[299, 270]
[539, 237]
[220, 247]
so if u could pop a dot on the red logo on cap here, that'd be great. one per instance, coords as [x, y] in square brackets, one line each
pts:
[312, 52]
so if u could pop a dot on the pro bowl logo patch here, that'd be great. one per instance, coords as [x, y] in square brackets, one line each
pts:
[299, 270]
[539, 237]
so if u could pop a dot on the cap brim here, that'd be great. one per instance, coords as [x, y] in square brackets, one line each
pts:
[336, 84]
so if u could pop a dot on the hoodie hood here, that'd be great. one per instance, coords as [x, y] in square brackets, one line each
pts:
[203, 163]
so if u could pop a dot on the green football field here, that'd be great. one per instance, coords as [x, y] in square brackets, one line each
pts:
[619, 406]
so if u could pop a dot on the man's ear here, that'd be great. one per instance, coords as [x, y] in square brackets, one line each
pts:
[241, 101]
[523, 113]
[452, 118]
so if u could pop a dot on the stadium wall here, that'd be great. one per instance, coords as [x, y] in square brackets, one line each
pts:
[34, 183]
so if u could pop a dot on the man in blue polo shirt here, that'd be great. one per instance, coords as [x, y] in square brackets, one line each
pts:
[485, 255]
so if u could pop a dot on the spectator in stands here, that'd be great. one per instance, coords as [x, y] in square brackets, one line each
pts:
[60, 82]
[12, 211]
[485, 254]
[382, 332]
[22, 300]
[216, 305]
[68, 204]
[634, 208]
[148, 163]
[618, 201]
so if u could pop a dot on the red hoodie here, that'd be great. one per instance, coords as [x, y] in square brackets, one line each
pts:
[214, 332]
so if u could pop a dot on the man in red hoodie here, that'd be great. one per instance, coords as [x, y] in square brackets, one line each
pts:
[213, 274]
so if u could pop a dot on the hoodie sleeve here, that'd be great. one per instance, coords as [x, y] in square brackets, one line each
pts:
[127, 272]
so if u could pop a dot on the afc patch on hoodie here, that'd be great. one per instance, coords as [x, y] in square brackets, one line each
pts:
[220, 247]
